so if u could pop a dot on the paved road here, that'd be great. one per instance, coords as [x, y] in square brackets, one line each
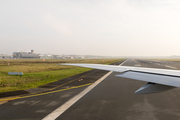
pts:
[112, 99]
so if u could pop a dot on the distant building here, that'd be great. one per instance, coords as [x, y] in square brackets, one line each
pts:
[46, 56]
[58, 57]
[80, 57]
[25, 55]
[2, 56]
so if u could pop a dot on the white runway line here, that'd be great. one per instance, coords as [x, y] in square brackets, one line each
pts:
[56, 113]
[170, 67]
[137, 65]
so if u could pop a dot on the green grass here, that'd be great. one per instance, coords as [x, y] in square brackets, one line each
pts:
[38, 72]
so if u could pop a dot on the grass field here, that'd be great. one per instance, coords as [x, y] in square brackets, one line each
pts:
[38, 72]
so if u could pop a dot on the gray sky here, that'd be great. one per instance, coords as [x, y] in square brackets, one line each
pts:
[93, 27]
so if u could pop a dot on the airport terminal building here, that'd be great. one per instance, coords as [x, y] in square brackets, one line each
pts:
[25, 55]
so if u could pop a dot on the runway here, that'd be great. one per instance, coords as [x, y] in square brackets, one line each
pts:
[112, 99]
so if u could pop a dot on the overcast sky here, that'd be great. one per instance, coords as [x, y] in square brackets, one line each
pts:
[91, 27]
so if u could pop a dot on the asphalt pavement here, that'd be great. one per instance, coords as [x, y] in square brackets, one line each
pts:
[111, 99]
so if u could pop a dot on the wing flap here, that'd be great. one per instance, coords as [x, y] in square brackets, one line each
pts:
[152, 88]
[154, 78]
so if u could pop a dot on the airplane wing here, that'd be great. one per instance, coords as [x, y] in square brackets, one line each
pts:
[158, 79]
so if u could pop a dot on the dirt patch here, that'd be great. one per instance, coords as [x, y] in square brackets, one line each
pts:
[13, 93]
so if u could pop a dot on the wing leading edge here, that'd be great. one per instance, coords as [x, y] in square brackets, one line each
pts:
[158, 79]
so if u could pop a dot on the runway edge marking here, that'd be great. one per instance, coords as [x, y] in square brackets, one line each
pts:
[33, 95]
[57, 112]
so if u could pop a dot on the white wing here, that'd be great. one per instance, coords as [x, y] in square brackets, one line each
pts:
[158, 79]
